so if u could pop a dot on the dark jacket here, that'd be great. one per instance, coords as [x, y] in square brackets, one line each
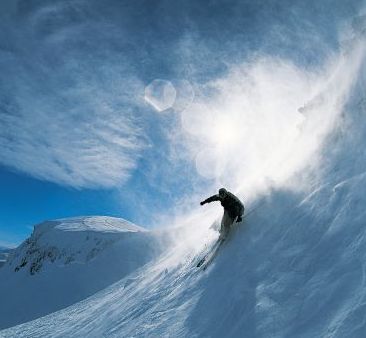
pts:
[230, 202]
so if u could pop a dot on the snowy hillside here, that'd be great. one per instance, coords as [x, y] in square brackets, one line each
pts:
[65, 261]
[294, 268]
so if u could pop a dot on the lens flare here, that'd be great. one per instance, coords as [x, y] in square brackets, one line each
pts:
[160, 94]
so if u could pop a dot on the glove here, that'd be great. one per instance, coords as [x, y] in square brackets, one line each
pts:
[239, 219]
[202, 203]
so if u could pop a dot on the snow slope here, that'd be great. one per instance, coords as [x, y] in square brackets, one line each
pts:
[294, 269]
[67, 260]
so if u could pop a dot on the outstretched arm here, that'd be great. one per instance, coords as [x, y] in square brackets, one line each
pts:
[211, 199]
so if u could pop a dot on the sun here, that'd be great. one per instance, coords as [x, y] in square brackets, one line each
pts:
[225, 132]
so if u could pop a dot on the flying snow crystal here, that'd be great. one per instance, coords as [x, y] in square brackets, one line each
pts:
[160, 94]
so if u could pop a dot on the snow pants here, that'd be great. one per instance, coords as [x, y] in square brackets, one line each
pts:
[226, 222]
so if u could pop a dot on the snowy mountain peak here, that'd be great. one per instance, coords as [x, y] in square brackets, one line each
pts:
[63, 260]
[69, 240]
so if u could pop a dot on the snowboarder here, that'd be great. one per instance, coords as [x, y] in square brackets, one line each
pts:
[233, 209]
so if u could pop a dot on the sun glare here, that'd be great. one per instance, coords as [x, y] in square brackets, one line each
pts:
[225, 132]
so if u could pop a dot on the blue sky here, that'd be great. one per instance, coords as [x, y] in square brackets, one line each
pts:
[77, 136]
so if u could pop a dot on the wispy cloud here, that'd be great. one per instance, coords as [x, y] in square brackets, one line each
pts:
[67, 115]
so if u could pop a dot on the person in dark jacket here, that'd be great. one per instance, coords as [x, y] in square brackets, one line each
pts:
[233, 209]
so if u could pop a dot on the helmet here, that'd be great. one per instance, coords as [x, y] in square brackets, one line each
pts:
[222, 192]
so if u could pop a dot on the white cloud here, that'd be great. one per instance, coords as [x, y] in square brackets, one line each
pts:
[67, 115]
[77, 147]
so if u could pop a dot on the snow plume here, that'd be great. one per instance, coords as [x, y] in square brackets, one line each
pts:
[263, 124]
[266, 119]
